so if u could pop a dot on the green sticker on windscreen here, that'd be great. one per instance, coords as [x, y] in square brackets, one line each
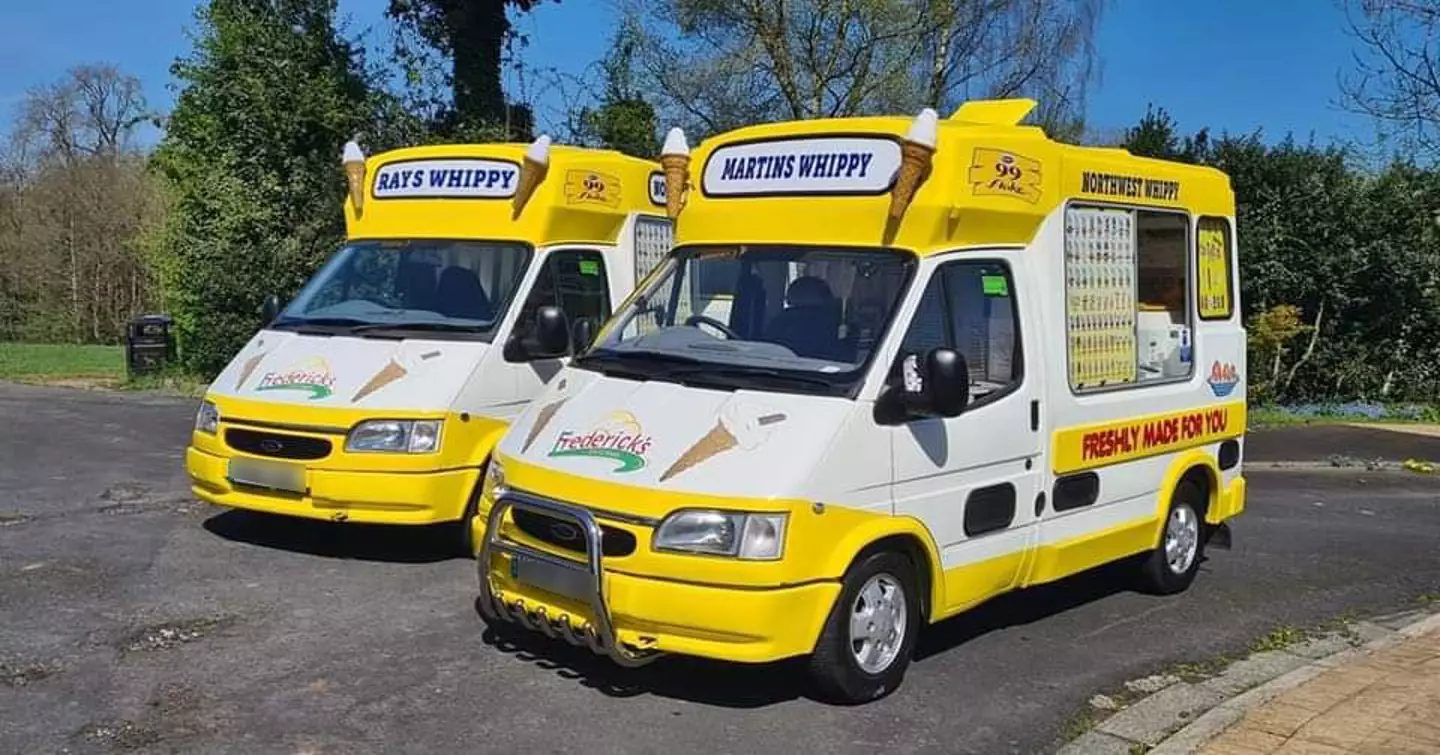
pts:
[589, 267]
[995, 285]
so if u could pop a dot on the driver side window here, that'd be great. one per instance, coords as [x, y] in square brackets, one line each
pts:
[573, 280]
[969, 307]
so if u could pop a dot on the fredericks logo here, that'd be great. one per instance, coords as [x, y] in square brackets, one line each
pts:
[312, 376]
[618, 438]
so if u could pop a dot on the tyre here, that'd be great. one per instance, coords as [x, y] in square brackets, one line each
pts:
[866, 644]
[1172, 566]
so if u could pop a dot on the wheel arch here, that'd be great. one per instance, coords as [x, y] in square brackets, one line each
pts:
[1196, 465]
[907, 536]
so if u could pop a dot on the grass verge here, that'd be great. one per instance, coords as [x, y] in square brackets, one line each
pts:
[87, 366]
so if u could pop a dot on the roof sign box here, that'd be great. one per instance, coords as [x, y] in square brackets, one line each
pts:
[842, 165]
[458, 178]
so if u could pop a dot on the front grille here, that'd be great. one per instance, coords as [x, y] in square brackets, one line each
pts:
[277, 445]
[566, 534]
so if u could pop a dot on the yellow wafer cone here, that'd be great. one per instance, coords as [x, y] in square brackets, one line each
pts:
[541, 420]
[248, 369]
[355, 173]
[717, 441]
[914, 163]
[388, 374]
[677, 169]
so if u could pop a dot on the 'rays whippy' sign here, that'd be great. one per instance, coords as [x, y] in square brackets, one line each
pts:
[823, 165]
[461, 178]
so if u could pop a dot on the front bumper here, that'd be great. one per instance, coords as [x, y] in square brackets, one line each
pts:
[632, 619]
[334, 495]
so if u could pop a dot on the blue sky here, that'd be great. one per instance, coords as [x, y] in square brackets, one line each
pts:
[1234, 65]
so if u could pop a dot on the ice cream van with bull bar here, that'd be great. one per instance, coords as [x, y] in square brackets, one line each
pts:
[378, 392]
[892, 368]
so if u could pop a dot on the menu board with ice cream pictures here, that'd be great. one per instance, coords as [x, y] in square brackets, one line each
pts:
[1100, 297]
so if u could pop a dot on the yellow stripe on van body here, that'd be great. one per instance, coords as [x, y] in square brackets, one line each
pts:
[1103, 444]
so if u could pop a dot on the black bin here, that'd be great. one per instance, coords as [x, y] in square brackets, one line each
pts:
[149, 344]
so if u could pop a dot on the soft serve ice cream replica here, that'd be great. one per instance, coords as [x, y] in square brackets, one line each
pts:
[858, 397]
[379, 391]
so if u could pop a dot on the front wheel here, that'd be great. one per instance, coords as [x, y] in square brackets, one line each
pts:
[1172, 566]
[867, 641]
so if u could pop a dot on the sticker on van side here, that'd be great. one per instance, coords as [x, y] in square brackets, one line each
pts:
[1088, 447]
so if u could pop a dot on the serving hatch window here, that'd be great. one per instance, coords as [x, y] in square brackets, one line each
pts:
[1127, 277]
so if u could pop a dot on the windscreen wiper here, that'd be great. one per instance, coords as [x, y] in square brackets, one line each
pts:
[317, 326]
[758, 375]
[631, 364]
[448, 327]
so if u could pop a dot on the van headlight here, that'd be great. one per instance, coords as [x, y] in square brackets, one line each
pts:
[404, 436]
[207, 418]
[755, 537]
[494, 479]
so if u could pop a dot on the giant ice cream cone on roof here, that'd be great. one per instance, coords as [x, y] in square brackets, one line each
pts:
[537, 163]
[354, 161]
[916, 152]
[675, 160]
[738, 425]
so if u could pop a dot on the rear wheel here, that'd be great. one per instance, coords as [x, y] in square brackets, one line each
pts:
[1172, 566]
[867, 641]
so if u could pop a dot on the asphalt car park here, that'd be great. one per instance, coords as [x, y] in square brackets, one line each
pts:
[133, 618]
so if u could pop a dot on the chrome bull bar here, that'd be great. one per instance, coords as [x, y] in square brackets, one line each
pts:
[585, 578]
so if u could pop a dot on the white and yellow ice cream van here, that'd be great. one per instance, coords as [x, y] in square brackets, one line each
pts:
[379, 391]
[891, 369]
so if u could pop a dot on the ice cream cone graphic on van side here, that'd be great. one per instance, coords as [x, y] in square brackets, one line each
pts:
[738, 426]
[543, 417]
[398, 367]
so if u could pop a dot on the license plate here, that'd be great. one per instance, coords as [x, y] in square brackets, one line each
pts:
[576, 583]
[273, 475]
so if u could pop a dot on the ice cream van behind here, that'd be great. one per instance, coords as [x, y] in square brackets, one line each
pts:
[378, 392]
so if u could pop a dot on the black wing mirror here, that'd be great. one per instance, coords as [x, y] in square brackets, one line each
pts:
[582, 334]
[936, 384]
[548, 337]
[270, 309]
[946, 383]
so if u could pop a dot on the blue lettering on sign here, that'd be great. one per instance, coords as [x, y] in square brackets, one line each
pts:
[819, 165]
[445, 180]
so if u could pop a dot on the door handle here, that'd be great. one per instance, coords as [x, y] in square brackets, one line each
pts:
[1035, 415]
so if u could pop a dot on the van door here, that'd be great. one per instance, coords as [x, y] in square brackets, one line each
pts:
[973, 479]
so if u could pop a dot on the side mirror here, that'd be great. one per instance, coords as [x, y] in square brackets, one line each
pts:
[946, 387]
[583, 333]
[270, 309]
[551, 337]
[934, 385]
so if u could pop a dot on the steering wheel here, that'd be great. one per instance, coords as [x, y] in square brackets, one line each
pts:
[696, 320]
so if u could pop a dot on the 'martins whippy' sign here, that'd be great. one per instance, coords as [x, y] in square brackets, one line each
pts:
[826, 165]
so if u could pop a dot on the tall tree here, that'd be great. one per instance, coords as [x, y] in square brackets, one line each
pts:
[1396, 73]
[717, 64]
[473, 35]
[623, 119]
[73, 198]
[270, 93]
